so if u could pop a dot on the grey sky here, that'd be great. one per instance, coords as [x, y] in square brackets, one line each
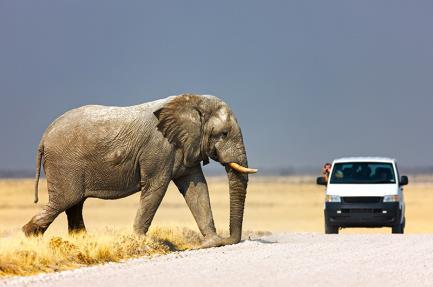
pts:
[308, 80]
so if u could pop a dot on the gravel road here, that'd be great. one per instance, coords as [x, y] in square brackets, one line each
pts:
[286, 259]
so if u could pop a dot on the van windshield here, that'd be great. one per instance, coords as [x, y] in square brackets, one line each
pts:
[363, 173]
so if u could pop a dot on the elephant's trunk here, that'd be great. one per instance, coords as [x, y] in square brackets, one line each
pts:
[238, 189]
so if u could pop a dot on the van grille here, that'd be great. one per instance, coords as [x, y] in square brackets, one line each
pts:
[362, 199]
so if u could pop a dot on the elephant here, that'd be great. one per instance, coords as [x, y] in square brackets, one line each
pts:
[106, 152]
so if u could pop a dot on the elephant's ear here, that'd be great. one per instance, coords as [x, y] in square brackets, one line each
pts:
[181, 122]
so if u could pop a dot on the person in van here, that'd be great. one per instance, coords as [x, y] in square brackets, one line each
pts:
[365, 172]
[382, 174]
[326, 170]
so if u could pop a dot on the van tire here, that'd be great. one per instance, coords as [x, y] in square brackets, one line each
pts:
[399, 228]
[331, 229]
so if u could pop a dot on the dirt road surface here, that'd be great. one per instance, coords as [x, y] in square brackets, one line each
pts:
[287, 259]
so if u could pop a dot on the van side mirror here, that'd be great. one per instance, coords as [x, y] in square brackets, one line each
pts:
[404, 180]
[321, 180]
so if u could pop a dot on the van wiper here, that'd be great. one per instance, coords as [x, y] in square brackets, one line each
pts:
[382, 181]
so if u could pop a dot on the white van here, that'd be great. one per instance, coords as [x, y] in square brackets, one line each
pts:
[364, 192]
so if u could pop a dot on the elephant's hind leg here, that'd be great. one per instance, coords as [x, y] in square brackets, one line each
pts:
[40, 222]
[75, 218]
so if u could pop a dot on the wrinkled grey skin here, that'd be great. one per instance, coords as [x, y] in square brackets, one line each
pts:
[112, 152]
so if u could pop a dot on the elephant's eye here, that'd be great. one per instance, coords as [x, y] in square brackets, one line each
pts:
[224, 134]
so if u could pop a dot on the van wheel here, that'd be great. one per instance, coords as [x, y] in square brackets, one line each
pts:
[331, 229]
[399, 228]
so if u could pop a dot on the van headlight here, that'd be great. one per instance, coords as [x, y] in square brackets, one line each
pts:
[332, 198]
[391, 198]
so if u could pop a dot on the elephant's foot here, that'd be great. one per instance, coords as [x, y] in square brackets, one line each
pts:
[212, 241]
[77, 230]
[140, 230]
[40, 222]
[216, 241]
[231, 240]
[33, 229]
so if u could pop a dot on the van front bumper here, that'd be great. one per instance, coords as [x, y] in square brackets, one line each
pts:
[362, 214]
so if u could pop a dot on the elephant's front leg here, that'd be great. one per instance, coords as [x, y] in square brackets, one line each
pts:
[195, 191]
[150, 199]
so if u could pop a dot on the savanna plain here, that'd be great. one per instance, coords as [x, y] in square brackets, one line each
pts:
[274, 205]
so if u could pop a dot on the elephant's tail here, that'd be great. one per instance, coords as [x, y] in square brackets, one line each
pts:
[39, 155]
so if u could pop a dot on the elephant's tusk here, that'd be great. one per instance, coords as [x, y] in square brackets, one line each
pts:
[241, 169]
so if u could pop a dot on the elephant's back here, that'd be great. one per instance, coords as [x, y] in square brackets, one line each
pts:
[93, 127]
[99, 119]
[92, 119]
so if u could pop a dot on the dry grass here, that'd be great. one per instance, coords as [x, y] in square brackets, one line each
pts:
[273, 204]
[27, 256]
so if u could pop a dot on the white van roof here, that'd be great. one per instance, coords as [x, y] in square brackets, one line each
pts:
[364, 159]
